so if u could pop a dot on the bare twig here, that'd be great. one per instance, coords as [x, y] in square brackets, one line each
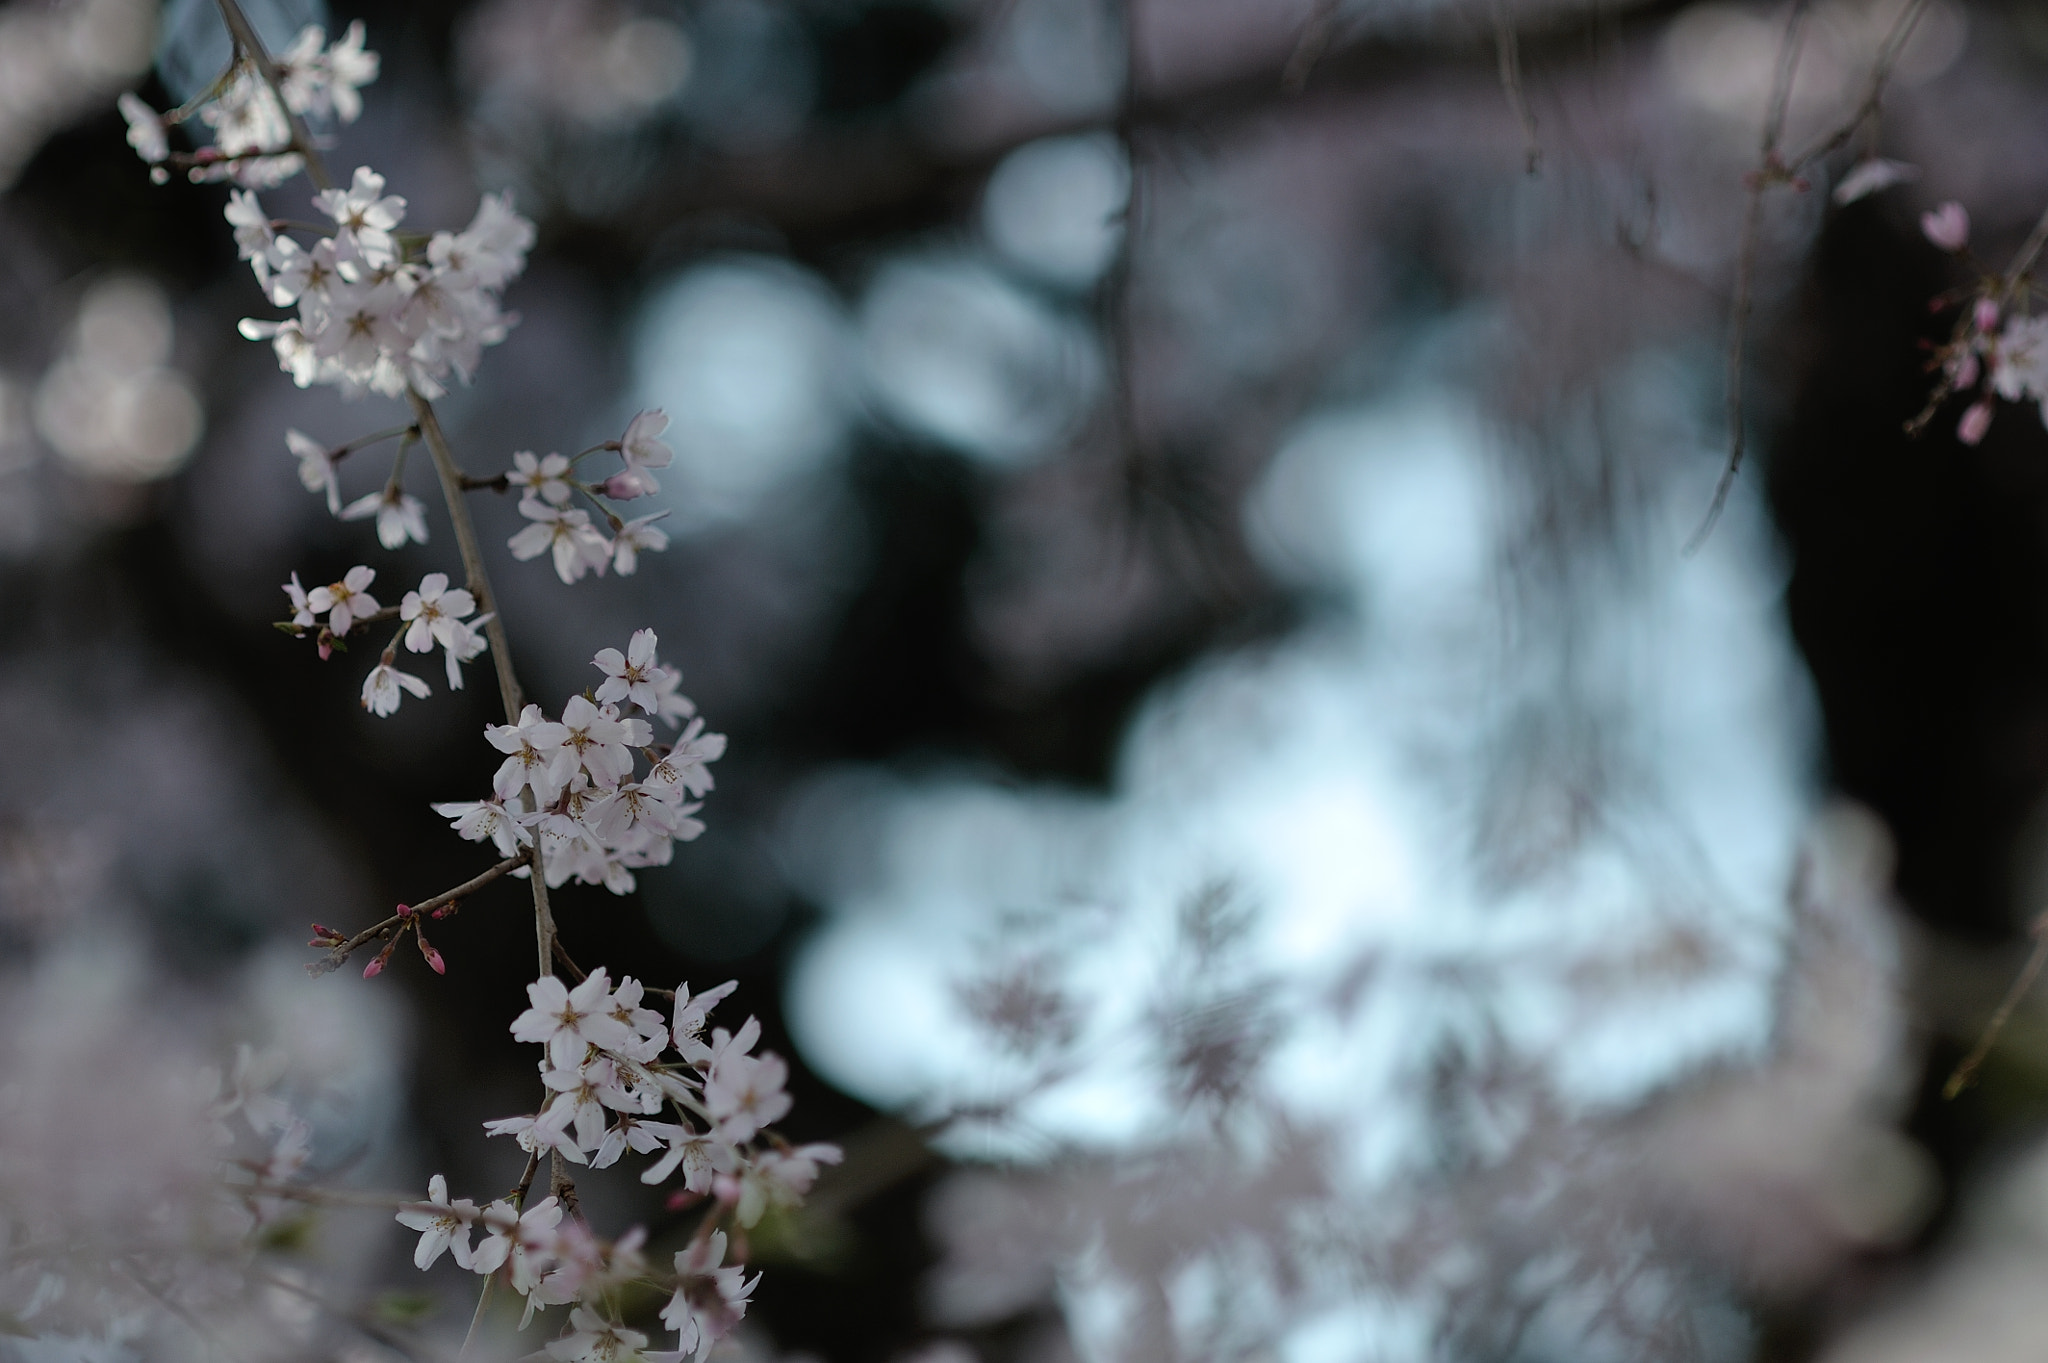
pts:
[252, 47]
[1315, 40]
[1508, 52]
[1966, 1072]
[1770, 170]
[338, 956]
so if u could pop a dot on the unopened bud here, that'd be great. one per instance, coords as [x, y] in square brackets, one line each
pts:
[1985, 315]
[1976, 421]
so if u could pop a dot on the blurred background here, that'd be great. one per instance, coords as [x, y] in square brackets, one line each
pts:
[1243, 816]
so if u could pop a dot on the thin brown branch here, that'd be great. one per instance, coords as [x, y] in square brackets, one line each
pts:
[1872, 104]
[1314, 41]
[1770, 170]
[251, 46]
[479, 584]
[338, 956]
[1966, 1072]
[1508, 54]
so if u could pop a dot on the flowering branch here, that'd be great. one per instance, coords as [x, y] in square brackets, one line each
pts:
[395, 313]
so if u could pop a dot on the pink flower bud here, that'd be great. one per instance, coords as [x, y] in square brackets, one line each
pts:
[625, 485]
[439, 966]
[1985, 315]
[1965, 369]
[403, 911]
[374, 968]
[1975, 422]
[1947, 226]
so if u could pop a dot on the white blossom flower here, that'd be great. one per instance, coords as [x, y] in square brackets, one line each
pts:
[577, 545]
[486, 820]
[745, 1093]
[1870, 175]
[593, 1339]
[341, 602]
[364, 217]
[532, 744]
[711, 1297]
[596, 741]
[433, 611]
[634, 537]
[675, 706]
[547, 1131]
[349, 67]
[568, 1020]
[685, 767]
[466, 639]
[302, 605]
[381, 689]
[316, 469]
[641, 445]
[630, 675]
[443, 1225]
[546, 478]
[691, 1014]
[145, 130]
[500, 1225]
[400, 516]
[254, 235]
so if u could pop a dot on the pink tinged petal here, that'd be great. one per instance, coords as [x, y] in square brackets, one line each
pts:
[1947, 226]
[1976, 421]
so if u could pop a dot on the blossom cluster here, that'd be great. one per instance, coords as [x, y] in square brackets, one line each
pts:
[374, 312]
[1996, 354]
[577, 546]
[595, 820]
[611, 1068]
[433, 615]
[252, 136]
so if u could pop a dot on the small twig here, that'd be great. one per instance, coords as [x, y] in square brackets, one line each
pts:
[1508, 50]
[1966, 1072]
[338, 956]
[470, 483]
[1314, 41]
[1770, 170]
[1872, 105]
[251, 46]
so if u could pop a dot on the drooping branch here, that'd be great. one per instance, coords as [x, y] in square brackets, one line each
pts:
[337, 956]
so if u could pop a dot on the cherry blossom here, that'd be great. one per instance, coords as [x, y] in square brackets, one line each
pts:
[400, 516]
[443, 1225]
[630, 675]
[434, 612]
[546, 478]
[532, 743]
[577, 546]
[316, 467]
[381, 689]
[634, 538]
[302, 605]
[341, 602]
[486, 821]
[566, 1021]
[1947, 226]
[364, 217]
[145, 130]
[593, 1339]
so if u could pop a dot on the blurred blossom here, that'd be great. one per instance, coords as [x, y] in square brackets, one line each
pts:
[1336, 881]
[60, 62]
[959, 354]
[1054, 207]
[748, 355]
[586, 61]
[192, 47]
[112, 405]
